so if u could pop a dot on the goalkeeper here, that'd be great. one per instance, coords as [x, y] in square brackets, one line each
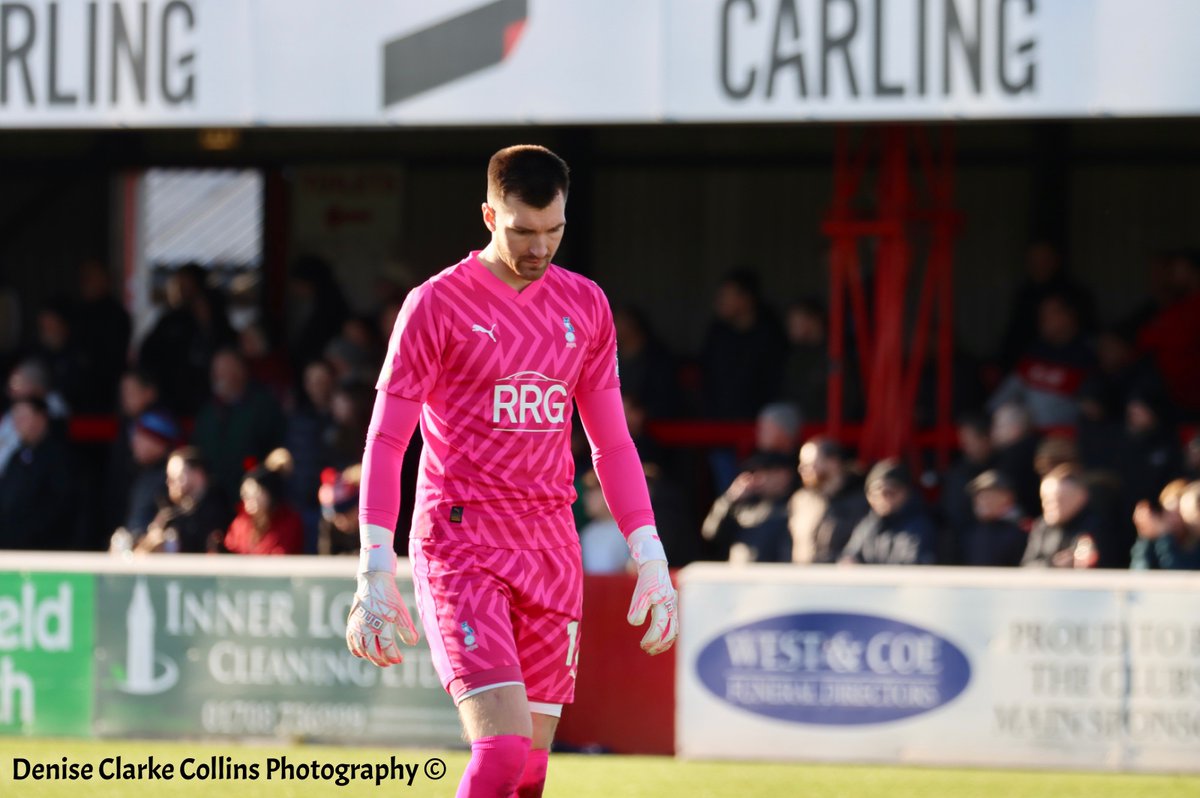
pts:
[487, 355]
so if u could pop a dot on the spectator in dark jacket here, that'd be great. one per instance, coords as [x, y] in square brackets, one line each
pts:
[309, 436]
[742, 351]
[240, 423]
[749, 521]
[195, 517]
[975, 444]
[29, 380]
[806, 365]
[35, 489]
[1065, 536]
[136, 394]
[897, 531]
[648, 370]
[1015, 443]
[154, 435]
[1046, 275]
[999, 535]
[316, 309]
[824, 512]
[57, 348]
[101, 328]
[180, 348]
[1166, 539]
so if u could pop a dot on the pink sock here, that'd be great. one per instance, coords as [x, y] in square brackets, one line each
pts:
[495, 767]
[533, 780]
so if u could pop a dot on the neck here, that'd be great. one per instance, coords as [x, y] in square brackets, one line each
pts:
[491, 259]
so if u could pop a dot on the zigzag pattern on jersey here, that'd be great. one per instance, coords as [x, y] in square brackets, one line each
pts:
[467, 592]
[517, 603]
[543, 640]
[517, 485]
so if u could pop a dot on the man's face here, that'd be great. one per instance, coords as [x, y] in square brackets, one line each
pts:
[228, 377]
[53, 331]
[1062, 500]
[525, 238]
[815, 470]
[1056, 322]
[976, 446]
[20, 386]
[182, 482]
[318, 384]
[886, 497]
[147, 449]
[136, 397]
[992, 504]
[29, 423]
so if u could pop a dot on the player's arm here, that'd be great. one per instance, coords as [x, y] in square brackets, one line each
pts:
[623, 481]
[378, 612]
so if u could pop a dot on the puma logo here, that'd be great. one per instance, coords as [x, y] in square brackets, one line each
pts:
[479, 328]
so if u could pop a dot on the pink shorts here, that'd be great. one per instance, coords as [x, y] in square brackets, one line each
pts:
[500, 615]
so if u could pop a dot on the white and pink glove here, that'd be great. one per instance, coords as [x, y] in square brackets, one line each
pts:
[654, 593]
[378, 613]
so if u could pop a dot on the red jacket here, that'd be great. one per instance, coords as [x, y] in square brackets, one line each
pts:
[285, 535]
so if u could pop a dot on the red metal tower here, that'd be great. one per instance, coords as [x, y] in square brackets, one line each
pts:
[882, 203]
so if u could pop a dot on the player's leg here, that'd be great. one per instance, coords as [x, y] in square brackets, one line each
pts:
[533, 779]
[547, 605]
[465, 610]
[497, 723]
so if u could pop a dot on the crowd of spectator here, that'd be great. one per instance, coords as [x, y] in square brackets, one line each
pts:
[1083, 454]
[222, 442]
[1072, 441]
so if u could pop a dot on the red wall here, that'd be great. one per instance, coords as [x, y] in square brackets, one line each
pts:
[624, 699]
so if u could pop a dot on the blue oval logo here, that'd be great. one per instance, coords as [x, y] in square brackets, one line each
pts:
[833, 668]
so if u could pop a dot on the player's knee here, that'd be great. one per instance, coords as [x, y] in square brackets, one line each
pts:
[498, 762]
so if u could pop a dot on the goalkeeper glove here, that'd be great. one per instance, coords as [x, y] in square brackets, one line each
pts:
[654, 592]
[378, 613]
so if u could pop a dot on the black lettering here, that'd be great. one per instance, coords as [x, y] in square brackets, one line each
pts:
[91, 54]
[922, 46]
[787, 8]
[968, 45]
[184, 61]
[842, 43]
[882, 89]
[54, 95]
[743, 91]
[1025, 48]
[134, 56]
[10, 53]
[20, 766]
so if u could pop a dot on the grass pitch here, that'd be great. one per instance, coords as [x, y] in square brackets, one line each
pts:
[570, 775]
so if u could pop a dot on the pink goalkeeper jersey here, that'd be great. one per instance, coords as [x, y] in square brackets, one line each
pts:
[496, 370]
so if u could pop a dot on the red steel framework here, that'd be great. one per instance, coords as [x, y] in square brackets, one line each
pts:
[880, 199]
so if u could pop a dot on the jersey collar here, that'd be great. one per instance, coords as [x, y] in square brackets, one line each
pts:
[500, 288]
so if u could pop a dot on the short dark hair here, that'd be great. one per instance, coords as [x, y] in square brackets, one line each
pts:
[528, 172]
[1068, 472]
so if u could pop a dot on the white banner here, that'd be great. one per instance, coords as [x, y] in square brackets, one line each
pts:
[940, 666]
[149, 63]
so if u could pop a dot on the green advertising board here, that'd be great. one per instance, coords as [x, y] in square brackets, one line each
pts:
[253, 656]
[45, 653]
